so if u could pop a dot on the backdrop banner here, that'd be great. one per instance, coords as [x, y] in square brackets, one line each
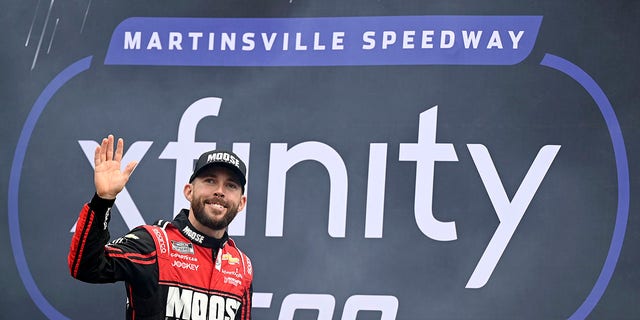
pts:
[406, 160]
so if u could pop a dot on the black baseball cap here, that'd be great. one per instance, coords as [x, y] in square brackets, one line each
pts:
[221, 158]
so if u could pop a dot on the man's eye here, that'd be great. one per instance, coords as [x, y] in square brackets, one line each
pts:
[232, 186]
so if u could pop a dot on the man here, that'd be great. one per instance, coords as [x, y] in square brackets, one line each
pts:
[188, 268]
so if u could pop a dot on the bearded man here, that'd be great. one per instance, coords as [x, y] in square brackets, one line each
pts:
[187, 268]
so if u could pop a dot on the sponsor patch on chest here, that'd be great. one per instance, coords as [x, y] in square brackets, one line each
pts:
[230, 259]
[182, 247]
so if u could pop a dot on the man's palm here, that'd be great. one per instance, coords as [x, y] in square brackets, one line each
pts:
[108, 178]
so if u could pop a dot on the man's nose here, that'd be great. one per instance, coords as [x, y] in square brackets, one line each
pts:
[218, 190]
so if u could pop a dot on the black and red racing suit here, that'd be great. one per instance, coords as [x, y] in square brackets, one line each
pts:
[171, 271]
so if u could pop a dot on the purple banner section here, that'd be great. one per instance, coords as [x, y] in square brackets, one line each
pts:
[339, 41]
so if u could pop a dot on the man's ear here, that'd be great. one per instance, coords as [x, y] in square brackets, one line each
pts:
[243, 203]
[188, 191]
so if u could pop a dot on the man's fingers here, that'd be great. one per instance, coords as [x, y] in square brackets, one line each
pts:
[101, 154]
[97, 156]
[104, 152]
[119, 149]
[128, 170]
[109, 151]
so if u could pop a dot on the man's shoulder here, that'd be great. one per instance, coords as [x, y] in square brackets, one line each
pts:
[136, 240]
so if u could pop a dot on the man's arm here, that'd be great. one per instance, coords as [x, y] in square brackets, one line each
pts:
[90, 258]
[245, 313]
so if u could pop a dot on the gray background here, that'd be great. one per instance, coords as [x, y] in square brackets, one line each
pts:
[550, 264]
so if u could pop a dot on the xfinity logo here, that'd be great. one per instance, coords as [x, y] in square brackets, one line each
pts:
[425, 153]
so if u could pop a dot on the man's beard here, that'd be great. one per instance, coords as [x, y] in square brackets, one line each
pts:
[198, 208]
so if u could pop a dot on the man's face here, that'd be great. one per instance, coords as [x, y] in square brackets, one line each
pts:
[216, 197]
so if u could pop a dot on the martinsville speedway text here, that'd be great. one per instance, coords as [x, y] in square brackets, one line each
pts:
[299, 41]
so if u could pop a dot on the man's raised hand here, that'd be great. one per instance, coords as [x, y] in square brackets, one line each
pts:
[108, 177]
